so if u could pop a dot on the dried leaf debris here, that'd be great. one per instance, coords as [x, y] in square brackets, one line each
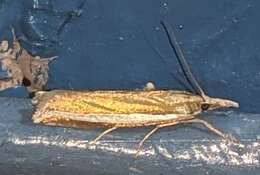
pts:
[22, 68]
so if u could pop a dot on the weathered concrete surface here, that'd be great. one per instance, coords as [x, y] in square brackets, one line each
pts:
[27, 148]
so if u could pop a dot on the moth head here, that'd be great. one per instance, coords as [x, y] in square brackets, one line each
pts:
[210, 103]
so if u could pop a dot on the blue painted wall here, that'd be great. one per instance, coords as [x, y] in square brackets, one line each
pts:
[121, 45]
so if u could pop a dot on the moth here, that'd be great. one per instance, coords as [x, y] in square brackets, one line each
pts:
[140, 108]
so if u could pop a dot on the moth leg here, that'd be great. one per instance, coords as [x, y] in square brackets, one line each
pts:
[150, 133]
[144, 139]
[102, 134]
[212, 128]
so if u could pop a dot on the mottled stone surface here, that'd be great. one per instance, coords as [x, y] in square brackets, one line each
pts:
[188, 149]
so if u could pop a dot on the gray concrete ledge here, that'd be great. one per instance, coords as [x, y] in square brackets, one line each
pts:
[27, 148]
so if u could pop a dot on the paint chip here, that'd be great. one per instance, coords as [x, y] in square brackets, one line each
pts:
[22, 68]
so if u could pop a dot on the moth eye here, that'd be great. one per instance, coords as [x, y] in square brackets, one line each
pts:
[205, 106]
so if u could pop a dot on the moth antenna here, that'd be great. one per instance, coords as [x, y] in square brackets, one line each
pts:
[181, 59]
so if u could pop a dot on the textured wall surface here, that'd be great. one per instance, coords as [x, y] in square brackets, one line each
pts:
[115, 45]
[121, 45]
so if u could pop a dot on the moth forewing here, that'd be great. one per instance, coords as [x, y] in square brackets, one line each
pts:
[114, 108]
